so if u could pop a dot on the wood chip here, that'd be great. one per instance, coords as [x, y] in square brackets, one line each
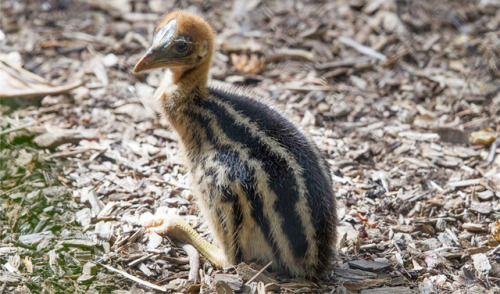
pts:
[368, 265]
[389, 290]
[465, 183]
[481, 263]
[475, 227]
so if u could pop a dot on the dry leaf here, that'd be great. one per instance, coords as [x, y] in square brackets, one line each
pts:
[28, 264]
[246, 65]
[483, 137]
[18, 82]
[496, 231]
[365, 221]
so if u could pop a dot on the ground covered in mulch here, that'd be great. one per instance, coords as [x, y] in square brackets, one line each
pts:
[402, 97]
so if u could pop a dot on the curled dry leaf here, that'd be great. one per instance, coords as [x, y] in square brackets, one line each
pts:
[496, 231]
[483, 137]
[365, 221]
[28, 264]
[248, 65]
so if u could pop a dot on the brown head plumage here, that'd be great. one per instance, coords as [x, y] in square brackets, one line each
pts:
[181, 42]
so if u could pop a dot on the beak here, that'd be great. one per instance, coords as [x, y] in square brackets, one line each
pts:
[148, 61]
[156, 56]
[155, 59]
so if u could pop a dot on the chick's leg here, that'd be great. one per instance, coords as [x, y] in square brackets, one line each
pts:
[176, 227]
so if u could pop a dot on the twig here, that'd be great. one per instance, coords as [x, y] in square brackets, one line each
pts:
[26, 125]
[194, 261]
[175, 184]
[453, 236]
[171, 183]
[284, 53]
[74, 152]
[344, 63]
[415, 198]
[306, 88]
[493, 152]
[139, 260]
[494, 250]
[258, 273]
[87, 38]
[436, 186]
[362, 49]
[445, 248]
[47, 90]
[135, 279]
[465, 183]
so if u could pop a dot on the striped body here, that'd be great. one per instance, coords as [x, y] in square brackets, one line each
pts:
[262, 186]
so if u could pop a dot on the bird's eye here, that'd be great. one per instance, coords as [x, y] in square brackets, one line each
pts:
[181, 47]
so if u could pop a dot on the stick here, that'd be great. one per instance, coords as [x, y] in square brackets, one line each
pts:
[135, 279]
[258, 273]
[362, 48]
[194, 261]
[27, 125]
[75, 152]
[172, 183]
[492, 154]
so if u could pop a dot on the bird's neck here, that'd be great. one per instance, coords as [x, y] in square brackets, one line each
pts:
[179, 91]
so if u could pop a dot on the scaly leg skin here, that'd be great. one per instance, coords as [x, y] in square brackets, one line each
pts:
[176, 227]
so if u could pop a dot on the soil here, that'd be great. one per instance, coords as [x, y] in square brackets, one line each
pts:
[402, 98]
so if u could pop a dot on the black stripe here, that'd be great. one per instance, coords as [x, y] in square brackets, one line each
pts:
[281, 176]
[228, 196]
[319, 196]
[248, 185]
[240, 171]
